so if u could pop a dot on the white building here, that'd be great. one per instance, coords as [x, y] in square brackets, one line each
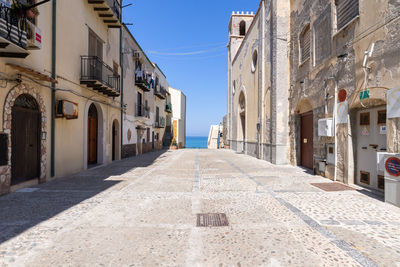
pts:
[178, 119]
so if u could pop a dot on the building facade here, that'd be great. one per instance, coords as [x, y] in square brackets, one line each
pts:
[257, 120]
[316, 84]
[59, 114]
[61, 100]
[178, 116]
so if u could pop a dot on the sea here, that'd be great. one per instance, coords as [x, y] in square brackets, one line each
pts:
[196, 141]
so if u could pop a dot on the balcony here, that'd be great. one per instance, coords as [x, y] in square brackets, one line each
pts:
[168, 108]
[160, 92]
[142, 111]
[160, 122]
[142, 81]
[99, 76]
[109, 11]
[13, 37]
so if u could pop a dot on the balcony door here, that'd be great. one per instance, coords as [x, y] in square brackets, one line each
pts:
[139, 104]
[95, 50]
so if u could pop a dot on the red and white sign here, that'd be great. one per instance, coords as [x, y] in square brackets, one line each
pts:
[392, 166]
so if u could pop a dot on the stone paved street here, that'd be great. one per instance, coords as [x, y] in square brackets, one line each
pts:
[142, 212]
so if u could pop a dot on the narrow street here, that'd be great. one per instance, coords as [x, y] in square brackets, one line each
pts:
[142, 212]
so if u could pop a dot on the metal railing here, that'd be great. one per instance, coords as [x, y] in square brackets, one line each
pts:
[160, 122]
[13, 26]
[142, 111]
[160, 91]
[168, 107]
[143, 81]
[94, 69]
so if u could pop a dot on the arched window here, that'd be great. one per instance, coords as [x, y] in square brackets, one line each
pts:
[26, 101]
[254, 61]
[242, 28]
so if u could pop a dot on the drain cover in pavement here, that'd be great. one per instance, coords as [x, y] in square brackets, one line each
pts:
[332, 187]
[212, 219]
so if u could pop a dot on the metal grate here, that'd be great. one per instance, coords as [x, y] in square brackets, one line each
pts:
[212, 219]
[332, 187]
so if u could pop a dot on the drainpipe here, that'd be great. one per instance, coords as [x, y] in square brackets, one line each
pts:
[53, 86]
[334, 118]
[122, 82]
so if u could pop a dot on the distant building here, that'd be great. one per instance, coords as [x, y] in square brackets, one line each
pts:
[215, 137]
[178, 118]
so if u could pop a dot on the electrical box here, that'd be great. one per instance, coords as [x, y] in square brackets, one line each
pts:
[325, 127]
[330, 154]
[321, 166]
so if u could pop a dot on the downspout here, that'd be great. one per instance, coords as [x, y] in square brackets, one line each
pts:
[122, 83]
[272, 54]
[53, 86]
[334, 118]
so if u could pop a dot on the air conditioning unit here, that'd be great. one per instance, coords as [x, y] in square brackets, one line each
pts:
[67, 109]
[34, 36]
[325, 127]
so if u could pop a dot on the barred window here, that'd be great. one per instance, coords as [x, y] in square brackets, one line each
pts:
[346, 10]
[305, 44]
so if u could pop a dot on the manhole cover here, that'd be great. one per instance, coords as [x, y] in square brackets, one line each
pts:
[332, 187]
[212, 219]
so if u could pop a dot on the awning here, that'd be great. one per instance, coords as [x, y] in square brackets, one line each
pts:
[33, 73]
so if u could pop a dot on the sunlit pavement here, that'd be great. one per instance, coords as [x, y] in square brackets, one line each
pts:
[142, 212]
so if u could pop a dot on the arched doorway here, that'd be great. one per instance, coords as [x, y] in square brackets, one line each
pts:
[115, 140]
[242, 121]
[92, 134]
[25, 139]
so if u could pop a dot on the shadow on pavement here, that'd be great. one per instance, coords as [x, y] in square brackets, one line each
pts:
[20, 211]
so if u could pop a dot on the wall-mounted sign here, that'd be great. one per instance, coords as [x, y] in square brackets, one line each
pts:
[382, 129]
[392, 166]
[393, 103]
[364, 94]
[364, 131]
[342, 95]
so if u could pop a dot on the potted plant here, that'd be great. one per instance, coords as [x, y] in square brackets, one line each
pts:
[174, 145]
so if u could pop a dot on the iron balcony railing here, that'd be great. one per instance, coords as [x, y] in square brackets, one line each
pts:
[94, 69]
[160, 122]
[168, 107]
[160, 92]
[13, 26]
[143, 81]
[142, 111]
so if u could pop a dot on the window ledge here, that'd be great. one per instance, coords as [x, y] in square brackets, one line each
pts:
[345, 26]
[301, 64]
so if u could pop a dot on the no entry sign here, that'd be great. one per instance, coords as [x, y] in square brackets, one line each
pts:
[392, 166]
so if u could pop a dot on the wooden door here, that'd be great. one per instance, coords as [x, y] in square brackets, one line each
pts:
[114, 137]
[307, 141]
[25, 139]
[175, 130]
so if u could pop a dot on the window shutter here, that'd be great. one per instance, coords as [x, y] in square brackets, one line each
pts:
[346, 11]
[305, 44]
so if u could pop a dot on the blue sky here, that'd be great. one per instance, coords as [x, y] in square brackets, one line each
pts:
[187, 39]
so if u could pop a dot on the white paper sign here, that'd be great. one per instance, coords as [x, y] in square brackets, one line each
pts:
[342, 112]
[393, 103]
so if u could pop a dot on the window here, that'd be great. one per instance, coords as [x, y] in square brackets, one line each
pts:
[305, 44]
[254, 61]
[322, 36]
[364, 177]
[346, 11]
[95, 45]
[242, 28]
[234, 87]
[364, 118]
[381, 116]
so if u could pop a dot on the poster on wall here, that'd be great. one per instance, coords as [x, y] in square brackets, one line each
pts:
[342, 112]
[393, 103]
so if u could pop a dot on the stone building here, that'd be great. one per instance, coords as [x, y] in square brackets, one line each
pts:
[351, 47]
[178, 116]
[60, 100]
[148, 101]
[310, 82]
[257, 118]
